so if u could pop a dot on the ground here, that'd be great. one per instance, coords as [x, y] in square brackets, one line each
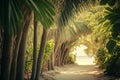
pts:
[84, 69]
[76, 72]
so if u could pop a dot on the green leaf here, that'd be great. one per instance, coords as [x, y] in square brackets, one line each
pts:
[103, 2]
[109, 9]
[16, 15]
[116, 30]
[115, 35]
[101, 20]
[71, 6]
[111, 2]
[44, 10]
[10, 15]
[111, 45]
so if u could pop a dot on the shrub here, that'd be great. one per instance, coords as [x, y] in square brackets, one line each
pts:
[113, 64]
[48, 49]
[100, 57]
[71, 58]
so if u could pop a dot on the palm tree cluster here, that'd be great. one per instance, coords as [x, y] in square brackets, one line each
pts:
[15, 20]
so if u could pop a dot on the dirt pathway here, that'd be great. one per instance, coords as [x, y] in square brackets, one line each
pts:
[76, 72]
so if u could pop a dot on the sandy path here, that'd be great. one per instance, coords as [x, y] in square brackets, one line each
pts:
[76, 72]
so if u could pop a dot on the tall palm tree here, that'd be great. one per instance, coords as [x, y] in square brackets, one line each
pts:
[11, 20]
[34, 66]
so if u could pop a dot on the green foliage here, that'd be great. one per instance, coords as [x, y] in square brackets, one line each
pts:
[103, 2]
[11, 17]
[101, 57]
[116, 31]
[112, 14]
[28, 66]
[48, 49]
[44, 11]
[29, 54]
[109, 62]
[69, 7]
[71, 58]
[110, 2]
[110, 46]
[113, 63]
[28, 59]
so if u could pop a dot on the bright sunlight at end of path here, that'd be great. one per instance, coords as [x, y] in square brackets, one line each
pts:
[81, 57]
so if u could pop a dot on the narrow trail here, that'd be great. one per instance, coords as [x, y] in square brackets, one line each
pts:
[85, 70]
[76, 72]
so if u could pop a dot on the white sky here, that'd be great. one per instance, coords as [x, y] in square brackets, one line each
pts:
[79, 51]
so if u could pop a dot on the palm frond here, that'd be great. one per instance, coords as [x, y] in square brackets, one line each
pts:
[72, 5]
[74, 31]
[10, 15]
[44, 11]
[80, 29]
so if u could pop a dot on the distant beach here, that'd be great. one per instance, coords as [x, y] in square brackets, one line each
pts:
[84, 60]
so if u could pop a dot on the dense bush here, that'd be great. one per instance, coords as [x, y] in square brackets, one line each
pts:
[48, 49]
[71, 58]
[109, 61]
[100, 57]
[113, 63]
[29, 54]
[113, 46]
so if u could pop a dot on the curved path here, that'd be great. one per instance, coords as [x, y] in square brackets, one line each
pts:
[76, 72]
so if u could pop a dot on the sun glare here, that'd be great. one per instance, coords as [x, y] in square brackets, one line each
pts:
[81, 57]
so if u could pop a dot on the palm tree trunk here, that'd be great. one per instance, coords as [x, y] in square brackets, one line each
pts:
[15, 56]
[62, 52]
[6, 56]
[52, 61]
[22, 49]
[40, 56]
[8, 40]
[49, 64]
[34, 51]
[1, 44]
[66, 56]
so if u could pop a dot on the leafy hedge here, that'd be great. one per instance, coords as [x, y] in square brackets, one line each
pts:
[111, 61]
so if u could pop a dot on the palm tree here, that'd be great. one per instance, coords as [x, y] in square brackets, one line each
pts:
[10, 17]
[34, 50]
[11, 20]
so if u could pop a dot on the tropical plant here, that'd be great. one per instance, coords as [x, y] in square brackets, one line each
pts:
[11, 20]
[48, 49]
[113, 17]
[15, 18]
[100, 57]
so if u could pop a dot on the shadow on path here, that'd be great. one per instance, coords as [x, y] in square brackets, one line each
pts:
[77, 72]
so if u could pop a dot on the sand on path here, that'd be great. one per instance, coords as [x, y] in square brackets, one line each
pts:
[76, 72]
